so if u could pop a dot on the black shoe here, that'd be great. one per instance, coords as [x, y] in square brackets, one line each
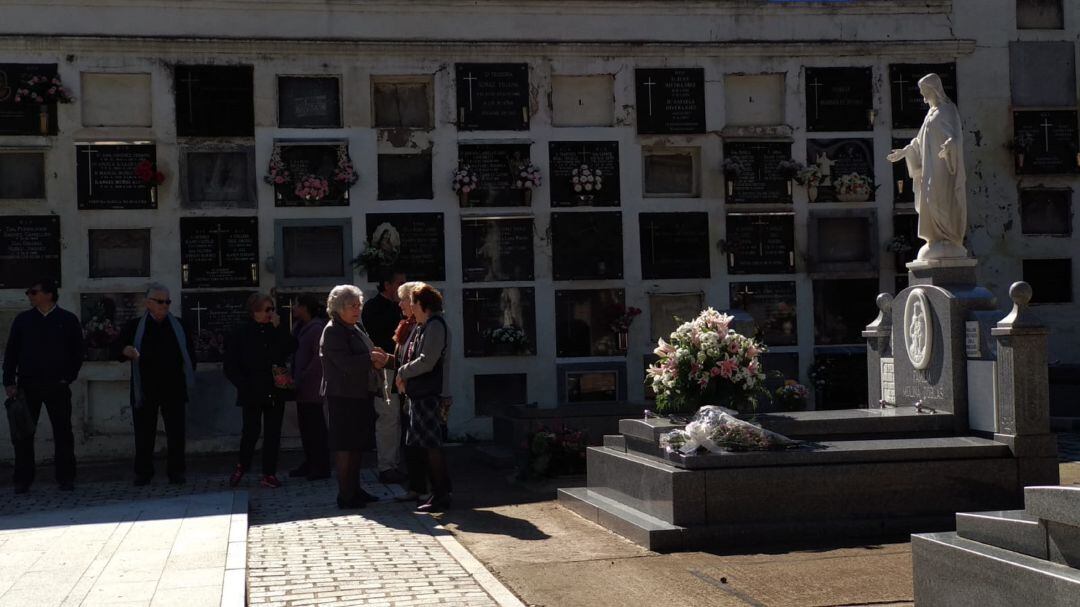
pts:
[364, 495]
[435, 504]
[317, 476]
[391, 477]
[141, 481]
[177, 480]
[21, 488]
[299, 471]
[67, 486]
[350, 504]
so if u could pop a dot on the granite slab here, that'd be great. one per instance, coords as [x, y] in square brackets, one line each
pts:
[1013, 530]
[1057, 504]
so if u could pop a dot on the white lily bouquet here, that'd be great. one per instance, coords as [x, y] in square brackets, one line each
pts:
[715, 430]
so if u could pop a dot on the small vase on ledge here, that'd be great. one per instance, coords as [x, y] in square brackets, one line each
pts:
[463, 198]
[43, 119]
[623, 341]
[811, 193]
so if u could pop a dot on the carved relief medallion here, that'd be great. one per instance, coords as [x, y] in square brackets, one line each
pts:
[918, 330]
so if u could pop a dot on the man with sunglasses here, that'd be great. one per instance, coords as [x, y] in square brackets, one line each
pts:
[162, 354]
[43, 356]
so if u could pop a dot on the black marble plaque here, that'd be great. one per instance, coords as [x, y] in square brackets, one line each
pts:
[421, 254]
[1045, 142]
[908, 107]
[760, 244]
[674, 245]
[587, 246]
[843, 242]
[22, 175]
[845, 379]
[772, 304]
[214, 100]
[119, 253]
[287, 299]
[499, 322]
[219, 179]
[756, 174]
[491, 392]
[106, 177]
[405, 177]
[319, 160]
[219, 251]
[213, 316]
[1046, 212]
[670, 100]
[839, 98]
[565, 158]
[312, 102]
[842, 309]
[24, 118]
[497, 167]
[313, 251]
[103, 316]
[836, 158]
[29, 250]
[902, 186]
[492, 96]
[583, 322]
[497, 248]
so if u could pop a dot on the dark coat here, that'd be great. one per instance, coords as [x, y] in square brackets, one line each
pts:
[307, 368]
[251, 352]
[43, 350]
[346, 361]
[160, 361]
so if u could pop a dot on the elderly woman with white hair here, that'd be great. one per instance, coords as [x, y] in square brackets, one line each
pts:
[349, 362]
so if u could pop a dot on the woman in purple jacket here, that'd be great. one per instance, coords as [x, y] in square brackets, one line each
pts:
[307, 376]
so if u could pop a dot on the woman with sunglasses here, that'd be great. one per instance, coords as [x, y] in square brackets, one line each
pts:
[256, 355]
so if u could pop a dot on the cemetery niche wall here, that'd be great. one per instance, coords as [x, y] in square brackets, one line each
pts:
[217, 176]
[19, 116]
[497, 167]
[29, 250]
[116, 176]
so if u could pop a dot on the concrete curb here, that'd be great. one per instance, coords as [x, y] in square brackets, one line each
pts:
[234, 590]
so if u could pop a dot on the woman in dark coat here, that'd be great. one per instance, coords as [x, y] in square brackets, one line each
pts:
[307, 375]
[349, 360]
[254, 353]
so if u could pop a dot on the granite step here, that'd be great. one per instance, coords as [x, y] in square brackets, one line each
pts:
[615, 441]
[1056, 504]
[637, 526]
[1014, 530]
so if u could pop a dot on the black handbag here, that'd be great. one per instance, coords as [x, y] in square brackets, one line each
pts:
[20, 422]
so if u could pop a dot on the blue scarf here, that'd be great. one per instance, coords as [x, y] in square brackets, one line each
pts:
[181, 340]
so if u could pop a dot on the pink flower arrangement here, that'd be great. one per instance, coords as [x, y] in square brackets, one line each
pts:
[312, 187]
[527, 177]
[465, 180]
[276, 173]
[42, 89]
[345, 173]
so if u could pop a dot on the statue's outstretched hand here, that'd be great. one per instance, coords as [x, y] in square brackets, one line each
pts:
[896, 156]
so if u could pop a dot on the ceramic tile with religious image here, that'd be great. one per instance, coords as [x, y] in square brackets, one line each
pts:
[587, 246]
[762, 243]
[586, 322]
[25, 116]
[218, 176]
[670, 172]
[903, 187]
[839, 99]
[1046, 211]
[401, 102]
[311, 252]
[119, 252]
[492, 96]
[591, 382]
[773, 305]
[843, 240]
[213, 316]
[493, 391]
[908, 107]
[669, 310]
[499, 322]
[286, 300]
[414, 243]
[584, 173]
[670, 101]
[674, 245]
[214, 100]
[310, 102]
[311, 174]
[1045, 142]
[497, 248]
[845, 170]
[842, 309]
[29, 250]
[219, 252]
[117, 176]
[22, 174]
[405, 176]
[498, 169]
[758, 171]
[103, 316]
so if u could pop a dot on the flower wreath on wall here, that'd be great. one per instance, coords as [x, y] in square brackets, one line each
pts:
[312, 187]
[42, 89]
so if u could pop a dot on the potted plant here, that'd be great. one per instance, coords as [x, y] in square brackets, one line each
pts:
[507, 340]
[621, 319]
[586, 181]
[526, 177]
[791, 396]
[44, 91]
[809, 176]
[464, 180]
[147, 172]
[853, 187]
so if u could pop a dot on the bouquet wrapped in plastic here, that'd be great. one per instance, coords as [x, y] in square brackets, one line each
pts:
[716, 430]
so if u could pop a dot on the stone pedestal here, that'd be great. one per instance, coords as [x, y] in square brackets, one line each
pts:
[881, 377]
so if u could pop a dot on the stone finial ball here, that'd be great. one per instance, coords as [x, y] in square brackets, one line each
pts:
[884, 302]
[1020, 292]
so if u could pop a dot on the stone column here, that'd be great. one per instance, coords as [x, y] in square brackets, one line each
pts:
[1023, 391]
[879, 363]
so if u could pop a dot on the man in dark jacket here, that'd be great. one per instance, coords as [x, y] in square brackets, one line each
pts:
[380, 318]
[162, 354]
[43, 356]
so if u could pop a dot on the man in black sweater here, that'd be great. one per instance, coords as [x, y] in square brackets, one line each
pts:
[380, 317]
[43, 356]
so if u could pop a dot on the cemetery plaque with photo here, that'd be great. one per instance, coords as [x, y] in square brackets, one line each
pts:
[214, 100]
[674, 245]
[1045, 211]
[838, 160]
[29, 250]
[219, 251]
[103, 316]
[757, 175]
[903, 187]
[315, 252]
[760, 244]
[669, 310]
[492, 96]
[218, 179]
[421, 254]
[22, 175]
[106, 176]
[312, 102]
[499, 322]
[772, 304]
[497, 248]
[908, 107]
[317, 160]
[1045, 142]
[213, 316]
[119, 253]
[587, 246]
[583, 322]
[670, 101]
[839, 98]
[497, 167]
[23, 117]
[602, 160]
[405, 177]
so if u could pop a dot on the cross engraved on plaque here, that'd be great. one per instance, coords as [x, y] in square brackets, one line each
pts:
[817, 90]
[1046, 134]
[190, 80]
[649, 83]
[469, 79]
[900, 81]
[198, 309]
[89, 151]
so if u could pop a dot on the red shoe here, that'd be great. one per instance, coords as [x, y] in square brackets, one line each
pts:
[270, 481]
[238, 473]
